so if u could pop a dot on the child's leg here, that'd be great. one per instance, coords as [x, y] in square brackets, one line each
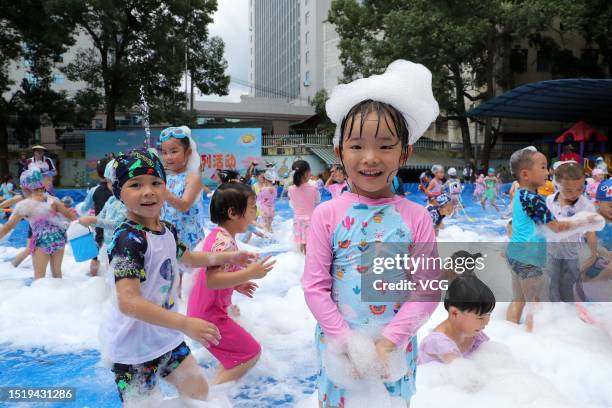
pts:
[189, 380]
[40, 259]
[515, 308]
[21, 256]
[494, 204]
[94, 265]
[533, 291]
[56, 263]
[233, 374]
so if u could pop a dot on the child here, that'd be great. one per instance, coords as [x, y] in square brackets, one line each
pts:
[44, 214]
[303, 197]
[479, 188]
[490, 191]
[232, 208]
[99, 197]
[599, 268]
[453, 187]
[184, 207]
[601, 165]
[373, 140]
[6, 188]
[443, 207]
[266, 199]
[562, 265]
[112, 214]
[336, 184]
[526, 251]
[424, 180]
[434, 188]
[144, 335]
[469, 303]
[598, 177]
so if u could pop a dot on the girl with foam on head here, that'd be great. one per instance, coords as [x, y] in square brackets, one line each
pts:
[44, 213]
[378, 120]
[303, 197]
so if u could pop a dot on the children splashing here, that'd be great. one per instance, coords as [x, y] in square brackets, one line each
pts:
[378, 119]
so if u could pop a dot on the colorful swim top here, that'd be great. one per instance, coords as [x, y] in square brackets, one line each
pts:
[437, 344]
[266, 196]
[527, 244]
[490, 183]
[453, 186]
[341, 230]
[136, 252]
[189, 224]
[208, 303]
[41, 213]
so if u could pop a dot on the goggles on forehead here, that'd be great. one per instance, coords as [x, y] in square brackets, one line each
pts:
[176, 132]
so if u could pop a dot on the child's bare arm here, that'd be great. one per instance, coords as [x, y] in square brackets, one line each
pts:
[199, 259]
[216, 278]
[88, 220]
[131, 303]
[66, 212]
[10, 224]
[193, 188]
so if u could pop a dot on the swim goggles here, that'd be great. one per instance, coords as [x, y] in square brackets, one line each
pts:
[176, 132]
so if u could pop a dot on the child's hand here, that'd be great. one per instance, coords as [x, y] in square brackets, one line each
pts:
[87, 220]
[247, 288]
[260, 268]
[383, 348]
[242, 258]
[202, 331]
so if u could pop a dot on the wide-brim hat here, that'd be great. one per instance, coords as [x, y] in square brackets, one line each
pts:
[41, 147]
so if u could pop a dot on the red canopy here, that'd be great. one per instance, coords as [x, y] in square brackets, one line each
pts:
[581, 131]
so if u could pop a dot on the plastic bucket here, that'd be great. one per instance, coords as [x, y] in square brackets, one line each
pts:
[84, 247]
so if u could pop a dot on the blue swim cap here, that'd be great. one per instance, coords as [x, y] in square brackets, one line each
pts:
[604, 191]
[491, 170]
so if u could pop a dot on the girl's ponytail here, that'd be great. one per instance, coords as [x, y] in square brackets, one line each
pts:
[300, 168]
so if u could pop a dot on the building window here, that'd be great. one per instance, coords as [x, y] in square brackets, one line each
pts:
[543, 61]
[98, 124]
[58, 79]
[306, 18]
[306, 56]
[518, 60]
[306, 37]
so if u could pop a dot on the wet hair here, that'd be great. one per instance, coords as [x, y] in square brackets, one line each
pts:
[184, 141]
[100, 166]
[469, 294]
[228, 175]
[383, 112]
[228, 196]
[569, 171]
[300, 168]
[522, 160]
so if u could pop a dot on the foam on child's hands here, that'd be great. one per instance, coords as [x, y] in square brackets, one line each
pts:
[582, 222]
[355, 366]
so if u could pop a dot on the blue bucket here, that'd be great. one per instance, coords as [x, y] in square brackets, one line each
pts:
[84, 247]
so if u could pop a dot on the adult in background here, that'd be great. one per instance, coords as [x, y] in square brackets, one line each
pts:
[44, 164]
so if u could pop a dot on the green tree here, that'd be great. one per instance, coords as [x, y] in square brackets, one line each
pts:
[148, 44]
[28, 34]
[465, 44]
[318, 103]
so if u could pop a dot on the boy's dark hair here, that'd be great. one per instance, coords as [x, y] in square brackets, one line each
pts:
[226, 175]
[100, 166]
[300, 168]
[521, 160]
[229, 196]
[383, 111]
[569, 171]
[469, 294]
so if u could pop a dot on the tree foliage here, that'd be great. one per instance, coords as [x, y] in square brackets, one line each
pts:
[148, 44]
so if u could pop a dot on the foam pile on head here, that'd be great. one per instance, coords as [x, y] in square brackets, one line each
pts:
[404, 85]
